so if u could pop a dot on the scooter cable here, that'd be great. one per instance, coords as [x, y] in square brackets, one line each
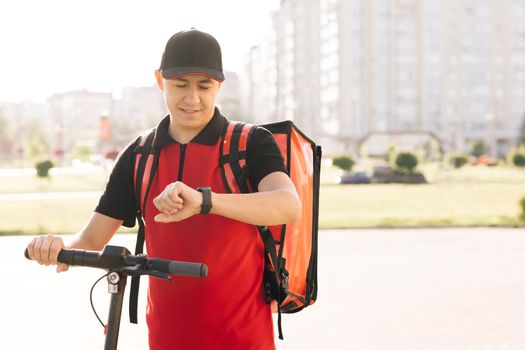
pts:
[91, 299]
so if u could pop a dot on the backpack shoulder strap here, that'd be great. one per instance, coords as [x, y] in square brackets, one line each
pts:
[145, 165]
[233, 156]
[235, 171]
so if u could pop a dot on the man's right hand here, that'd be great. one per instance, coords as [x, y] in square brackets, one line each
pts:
[45, 249]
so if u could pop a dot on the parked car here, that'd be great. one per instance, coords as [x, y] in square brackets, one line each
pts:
[359, 177]
[386, 175]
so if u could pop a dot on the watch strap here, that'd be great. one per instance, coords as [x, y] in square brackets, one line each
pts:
[206, 199]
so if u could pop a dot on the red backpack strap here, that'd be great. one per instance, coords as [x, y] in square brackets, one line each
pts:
[235, 170]
[145, 165]
[142, 173]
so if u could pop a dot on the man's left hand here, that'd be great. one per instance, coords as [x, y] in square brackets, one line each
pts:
[177, 202]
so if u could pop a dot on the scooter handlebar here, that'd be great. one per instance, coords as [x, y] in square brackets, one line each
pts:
[112, 258]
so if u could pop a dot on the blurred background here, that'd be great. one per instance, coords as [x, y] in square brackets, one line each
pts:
[419, 105]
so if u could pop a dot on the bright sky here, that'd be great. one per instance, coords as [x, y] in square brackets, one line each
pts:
[102, 45]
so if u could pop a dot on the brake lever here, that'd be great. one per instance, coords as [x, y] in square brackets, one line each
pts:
[158, 274]
[138, 270]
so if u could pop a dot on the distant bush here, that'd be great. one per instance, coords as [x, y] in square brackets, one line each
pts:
[345, 163]
[43, 167]
[516, 156]
[478, 148]
[82, 151]
[406, 162]
[518, 160]
[458, 161]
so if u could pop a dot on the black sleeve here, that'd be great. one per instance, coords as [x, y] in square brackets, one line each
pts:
[118, 200]
[263, 156]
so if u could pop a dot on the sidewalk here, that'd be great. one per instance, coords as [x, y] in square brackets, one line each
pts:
[424, 289]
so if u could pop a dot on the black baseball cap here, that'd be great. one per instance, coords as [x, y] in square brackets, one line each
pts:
[192, 52]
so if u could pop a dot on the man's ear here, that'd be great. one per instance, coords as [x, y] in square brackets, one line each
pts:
[160, 79]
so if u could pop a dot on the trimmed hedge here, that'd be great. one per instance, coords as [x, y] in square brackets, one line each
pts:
[345, 163]
[406, 162]
[43, 167]
[458, 161]
[518, 160]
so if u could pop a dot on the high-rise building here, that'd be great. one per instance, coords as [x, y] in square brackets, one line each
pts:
[347, 68]
[259, 83]
[297, 63]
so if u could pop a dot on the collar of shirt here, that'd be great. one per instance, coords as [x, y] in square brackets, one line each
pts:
[208, 136]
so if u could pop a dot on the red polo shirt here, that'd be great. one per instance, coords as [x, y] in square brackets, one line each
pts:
[225, 310]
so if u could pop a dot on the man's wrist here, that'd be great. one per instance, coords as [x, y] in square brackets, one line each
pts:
[206, 200]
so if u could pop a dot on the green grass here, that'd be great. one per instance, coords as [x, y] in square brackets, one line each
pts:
[479, 174]
[57, 216]
[45, 216]
[433, 205]
[348, 206]
[55, 183]
[471, 196]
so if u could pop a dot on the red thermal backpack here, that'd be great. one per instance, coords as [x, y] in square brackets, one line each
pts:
[290, 276]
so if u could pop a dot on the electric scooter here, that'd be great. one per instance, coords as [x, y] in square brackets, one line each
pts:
[120, 264]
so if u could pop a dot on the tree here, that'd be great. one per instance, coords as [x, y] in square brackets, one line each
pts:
[516, 156]
[406, 162]
[478, 148]
[519, 160]
[37, 146]
[82, 151]
[42, 168]
[391, 153]
[345, 163]
[458, 160]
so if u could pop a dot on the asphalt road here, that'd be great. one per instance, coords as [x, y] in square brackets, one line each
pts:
[379, 289]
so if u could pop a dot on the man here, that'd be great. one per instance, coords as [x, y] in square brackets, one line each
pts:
[226, 310]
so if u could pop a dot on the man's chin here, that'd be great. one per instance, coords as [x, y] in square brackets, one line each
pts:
[189, 121]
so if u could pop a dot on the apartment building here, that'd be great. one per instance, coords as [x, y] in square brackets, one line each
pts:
[348, 68]
[297, 68]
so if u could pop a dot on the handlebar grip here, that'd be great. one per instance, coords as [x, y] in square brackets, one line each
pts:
[179, 268]
[64, 256]
[70, 256]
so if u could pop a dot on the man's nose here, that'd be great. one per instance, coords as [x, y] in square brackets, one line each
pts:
[192, 96]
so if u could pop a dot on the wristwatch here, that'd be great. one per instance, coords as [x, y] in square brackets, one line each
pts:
[206, 199]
